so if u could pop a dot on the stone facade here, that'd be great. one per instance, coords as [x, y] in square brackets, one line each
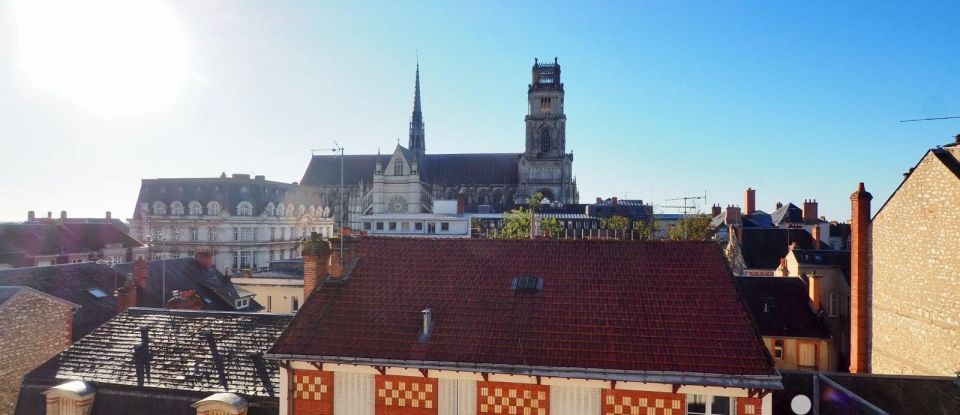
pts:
[33, 328]
[914, 260]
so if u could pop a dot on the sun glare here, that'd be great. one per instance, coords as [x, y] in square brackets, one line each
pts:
[113, 57]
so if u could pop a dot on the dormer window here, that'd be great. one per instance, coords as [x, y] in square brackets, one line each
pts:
[70, 398]
[159, 208]
[242, 303]
[244, 209]
[176, 208]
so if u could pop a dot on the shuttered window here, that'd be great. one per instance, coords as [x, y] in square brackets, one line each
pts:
[571, 400]
[355, 394]
[807, 355]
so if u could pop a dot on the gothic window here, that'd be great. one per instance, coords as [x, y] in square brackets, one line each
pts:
[195, 208]
[176, 208]
[213, 208]
[244, 209]
[544, 140]
[159, 208]
[398, 168]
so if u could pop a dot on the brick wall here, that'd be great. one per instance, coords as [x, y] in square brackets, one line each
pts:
[312, 392]
[512, 398]
[617, 402]
[33, 329]
[406, 395]
[915, 261]
[749, 406]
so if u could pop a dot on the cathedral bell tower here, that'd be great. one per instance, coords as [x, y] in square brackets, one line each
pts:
[545, 166]
[546, 122]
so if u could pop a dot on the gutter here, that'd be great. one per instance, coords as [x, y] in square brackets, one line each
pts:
[673, 378]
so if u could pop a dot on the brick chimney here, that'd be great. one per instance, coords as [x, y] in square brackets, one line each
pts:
[31, 216]
[599, 200]
[613, 201]
[126, 294]
[316, 257]
[750, 201]
[349, 252]
[810, 211]
[732, 215]
[140, 273]
[716, 210]
[860, 323]
[204, 259]
[185, 300]
[813, 286]
[816, 236]
[461, 201]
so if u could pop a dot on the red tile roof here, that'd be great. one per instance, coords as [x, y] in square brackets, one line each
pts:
[608, 305]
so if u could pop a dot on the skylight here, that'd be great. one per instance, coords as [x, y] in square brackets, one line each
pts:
[527, 284]
[96, 292]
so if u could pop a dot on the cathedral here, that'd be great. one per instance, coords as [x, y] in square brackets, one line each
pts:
[410, 179]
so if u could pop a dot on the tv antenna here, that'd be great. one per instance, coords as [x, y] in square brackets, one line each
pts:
[931, 119]
[689, 205]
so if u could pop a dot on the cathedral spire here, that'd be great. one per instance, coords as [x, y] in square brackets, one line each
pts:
[417, 135]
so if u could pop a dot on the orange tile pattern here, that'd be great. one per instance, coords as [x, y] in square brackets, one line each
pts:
[628, 402]
[312, 392]
[512, 398]
[749, 406]
[406, 395]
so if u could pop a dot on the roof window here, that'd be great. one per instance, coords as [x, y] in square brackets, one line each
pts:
[96, 292]
[527, 284]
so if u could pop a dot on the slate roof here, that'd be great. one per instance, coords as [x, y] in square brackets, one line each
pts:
[229, 192]
[441, 169]
[167, 354]
[72, 282]
[780, 307]
[858, 394]
[828, 258]
[788, 213]
[54, 238]
[762, 248]
[605, 307]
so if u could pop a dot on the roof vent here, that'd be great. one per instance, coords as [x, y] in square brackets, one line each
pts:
[527, 284]
[427, 328]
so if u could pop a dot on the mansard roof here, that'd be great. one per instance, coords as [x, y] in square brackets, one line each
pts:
[605, 308]
[162, 361]
[56, 238]
[228, 192]
[442, 169]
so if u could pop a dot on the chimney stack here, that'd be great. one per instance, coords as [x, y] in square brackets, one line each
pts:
[816, 236]
[49, 215]
[427, 322]
[860, 323]
[613, 201]
[63, 215]
[204, 259]
[750, 201]
[599, 200]
[109, 216]
[185, 300]
[732, 215]
[813, 285]
[716, 210]
[140, 273]
[126, 294]
[316, 259]
[461, 202]
[779, 205]
[810, 211]
[31, 216]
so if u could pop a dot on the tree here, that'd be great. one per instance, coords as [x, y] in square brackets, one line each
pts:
[646, 230]
[516, 223]
[550, 227]
[693, 228]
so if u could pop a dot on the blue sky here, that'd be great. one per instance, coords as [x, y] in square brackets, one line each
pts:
[664, 99]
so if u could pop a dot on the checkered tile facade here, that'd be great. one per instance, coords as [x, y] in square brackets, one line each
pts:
[406, 395]
[748, 406]
[512, 398]
[627, 402]
[312, 392]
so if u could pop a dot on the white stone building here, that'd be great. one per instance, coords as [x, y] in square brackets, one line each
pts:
[244, 222]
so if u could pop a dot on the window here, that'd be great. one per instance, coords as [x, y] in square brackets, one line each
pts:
[176, 208]
[273, 233]
[367, 226]
[418, 226]
[544, 140]
[97, 293]
[445, 226]
[194, 233]
[833, 305]
[244, 209]
[212, 234]
[398, 167]
[283, 233]
[379, 226]
[778, 349]
[289, 210]
[282, 253]
[270, 209]
[273, 255]
[295, 304]
[844, 305]
[159, 208]
[195, 208]
[393, 226]
[807, 355]
[405, 226]
[242, 259]
[174, 234]
[431, 227]
[280, 209]
[243, 303]
[291, 229]
[709, 405]
[244, 233]
[213, 208]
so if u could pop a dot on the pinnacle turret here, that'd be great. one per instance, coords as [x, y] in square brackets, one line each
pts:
[417, 134]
